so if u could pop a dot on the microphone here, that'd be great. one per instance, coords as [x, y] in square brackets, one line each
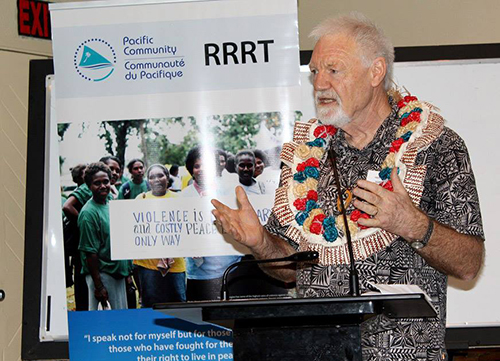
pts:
[305, 256]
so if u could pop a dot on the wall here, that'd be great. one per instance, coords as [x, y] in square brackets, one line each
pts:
[413, 22]
[13, 131]
[10, 41]
[15, 53]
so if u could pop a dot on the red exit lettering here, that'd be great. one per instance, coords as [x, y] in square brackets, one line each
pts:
[33, 19]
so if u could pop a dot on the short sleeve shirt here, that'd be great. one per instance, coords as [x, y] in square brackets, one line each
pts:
[82, 194]
[134, 189]
[93, 222]
[449, 197]
[179, 265]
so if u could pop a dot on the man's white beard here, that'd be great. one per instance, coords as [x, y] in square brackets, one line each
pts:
[338, 118]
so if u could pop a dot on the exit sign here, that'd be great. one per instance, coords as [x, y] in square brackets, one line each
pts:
[33, 18]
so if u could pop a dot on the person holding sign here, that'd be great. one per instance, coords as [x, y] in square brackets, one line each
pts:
[410, 195]
[204, 274]
[105, 278]
[164, 279]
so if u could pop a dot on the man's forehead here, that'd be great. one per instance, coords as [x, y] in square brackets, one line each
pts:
[331, 48]
[245, 157]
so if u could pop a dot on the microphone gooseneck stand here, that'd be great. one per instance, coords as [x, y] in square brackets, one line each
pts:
[353, 273]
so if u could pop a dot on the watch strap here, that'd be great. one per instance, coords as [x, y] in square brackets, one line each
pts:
[421, 243]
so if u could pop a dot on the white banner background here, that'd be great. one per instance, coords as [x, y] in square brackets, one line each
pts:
[108, 66]
[267, 81]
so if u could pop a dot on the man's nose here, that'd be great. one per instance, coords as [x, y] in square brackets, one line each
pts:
[321, 82]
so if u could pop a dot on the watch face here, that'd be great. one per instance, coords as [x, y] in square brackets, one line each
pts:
[417, 245]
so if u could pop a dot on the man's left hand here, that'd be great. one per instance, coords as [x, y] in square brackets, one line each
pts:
[392, 211]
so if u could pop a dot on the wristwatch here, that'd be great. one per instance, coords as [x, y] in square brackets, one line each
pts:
[421, 243]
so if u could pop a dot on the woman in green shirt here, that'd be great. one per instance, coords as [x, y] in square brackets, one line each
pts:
[105, 278]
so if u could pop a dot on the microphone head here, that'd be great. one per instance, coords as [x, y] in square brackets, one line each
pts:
[304, 256]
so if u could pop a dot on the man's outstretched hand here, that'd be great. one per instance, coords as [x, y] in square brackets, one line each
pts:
[241, 223]
[244, 225]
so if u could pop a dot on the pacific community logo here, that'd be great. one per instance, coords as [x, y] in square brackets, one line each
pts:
[95, 59]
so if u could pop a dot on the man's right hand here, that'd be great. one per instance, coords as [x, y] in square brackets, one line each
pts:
[242, 223]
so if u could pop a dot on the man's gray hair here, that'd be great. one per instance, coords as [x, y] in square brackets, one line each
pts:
[370, 39]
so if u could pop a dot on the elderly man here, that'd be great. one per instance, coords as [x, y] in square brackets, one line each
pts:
[420, 226]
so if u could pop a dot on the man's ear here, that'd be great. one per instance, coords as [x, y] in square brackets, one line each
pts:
[378, 70]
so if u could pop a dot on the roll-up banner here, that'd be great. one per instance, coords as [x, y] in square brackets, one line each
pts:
[151, 81]
[183, 101]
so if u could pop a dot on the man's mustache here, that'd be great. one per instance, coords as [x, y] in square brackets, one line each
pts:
[329, 94]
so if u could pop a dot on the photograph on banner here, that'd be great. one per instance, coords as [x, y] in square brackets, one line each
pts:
[150, 170]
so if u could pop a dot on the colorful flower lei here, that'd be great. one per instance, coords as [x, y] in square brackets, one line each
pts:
[308, 213]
